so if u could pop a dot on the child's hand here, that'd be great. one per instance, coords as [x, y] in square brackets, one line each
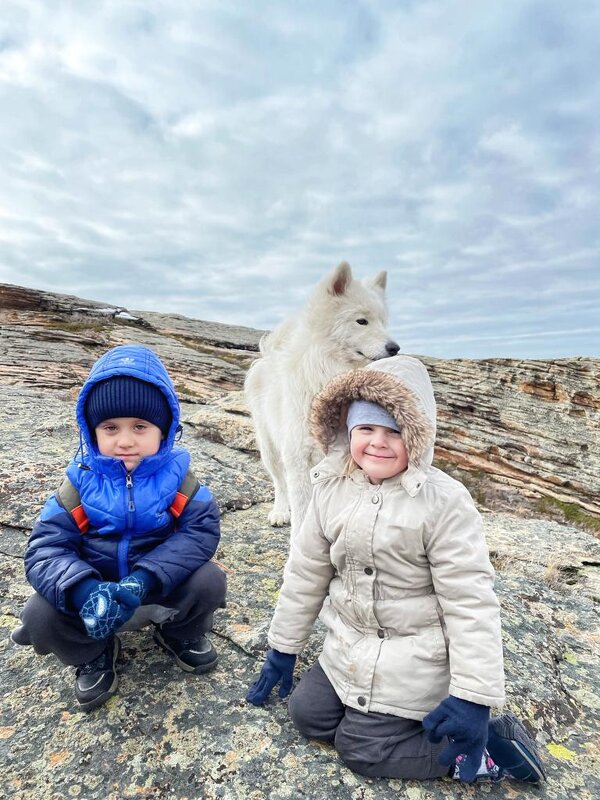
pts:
[466, 725]
[140, 583]
[108, 606]
[277, 667]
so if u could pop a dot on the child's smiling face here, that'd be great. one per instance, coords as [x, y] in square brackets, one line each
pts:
[378, 451]
[128, 439]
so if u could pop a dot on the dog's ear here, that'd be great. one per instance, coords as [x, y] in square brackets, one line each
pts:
[337, 283]
[378, 281]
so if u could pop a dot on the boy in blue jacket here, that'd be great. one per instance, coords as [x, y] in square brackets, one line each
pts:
[128, 539]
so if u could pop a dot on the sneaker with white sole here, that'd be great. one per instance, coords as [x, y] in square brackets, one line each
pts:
[192, 655]
[97, 681]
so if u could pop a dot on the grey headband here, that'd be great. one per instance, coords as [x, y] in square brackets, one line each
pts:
[361, 412]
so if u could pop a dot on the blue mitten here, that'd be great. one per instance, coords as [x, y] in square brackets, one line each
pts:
[466, 726]
[277, 667]
[108, 606]
[140, 583]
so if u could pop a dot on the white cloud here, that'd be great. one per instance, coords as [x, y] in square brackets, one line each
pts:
[509, 141]
[217, 159]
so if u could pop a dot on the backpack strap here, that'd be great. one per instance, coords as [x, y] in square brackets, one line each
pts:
[187, 489]
[70, 500]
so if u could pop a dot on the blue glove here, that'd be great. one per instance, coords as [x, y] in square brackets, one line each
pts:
[466, 725]
[277, 667]
[108, 606]
[140, 583]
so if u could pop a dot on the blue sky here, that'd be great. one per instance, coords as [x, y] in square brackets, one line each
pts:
[216, 159]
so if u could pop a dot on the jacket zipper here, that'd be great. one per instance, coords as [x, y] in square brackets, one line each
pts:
[130, 503]
[123, 549]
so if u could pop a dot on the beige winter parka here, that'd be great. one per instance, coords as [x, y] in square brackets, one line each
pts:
[399, 572]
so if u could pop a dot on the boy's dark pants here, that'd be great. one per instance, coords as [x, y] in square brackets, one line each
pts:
[50, 631]
[373, 744]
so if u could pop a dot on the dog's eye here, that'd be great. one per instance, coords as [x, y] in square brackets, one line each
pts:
[362, 321]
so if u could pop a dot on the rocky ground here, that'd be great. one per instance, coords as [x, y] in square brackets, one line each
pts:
[171, 735]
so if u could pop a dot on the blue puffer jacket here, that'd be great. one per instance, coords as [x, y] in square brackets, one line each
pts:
[129, 525]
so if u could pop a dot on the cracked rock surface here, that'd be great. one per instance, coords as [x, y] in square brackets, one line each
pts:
[167, 734]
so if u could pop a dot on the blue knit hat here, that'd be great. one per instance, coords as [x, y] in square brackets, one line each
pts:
[361, 412]
[124, 396]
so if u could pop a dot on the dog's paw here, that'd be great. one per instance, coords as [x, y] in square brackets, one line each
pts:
[279, 518]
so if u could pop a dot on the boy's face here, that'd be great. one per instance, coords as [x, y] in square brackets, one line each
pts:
[128, 439]
[378, 451]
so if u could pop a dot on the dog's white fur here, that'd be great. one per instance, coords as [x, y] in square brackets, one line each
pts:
[297, 359]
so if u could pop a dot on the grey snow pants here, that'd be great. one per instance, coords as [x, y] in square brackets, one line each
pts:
[186, 613]
[372, 744]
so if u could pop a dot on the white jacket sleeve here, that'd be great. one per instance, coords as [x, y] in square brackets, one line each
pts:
[463, 579]
[306, 580]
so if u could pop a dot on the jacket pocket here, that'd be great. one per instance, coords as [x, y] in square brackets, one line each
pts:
[412, 673]
[430, 645]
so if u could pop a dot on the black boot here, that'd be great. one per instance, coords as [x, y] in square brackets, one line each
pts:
[192, 655]
[96, 681]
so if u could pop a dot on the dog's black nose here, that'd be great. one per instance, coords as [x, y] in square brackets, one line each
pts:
[392, 348]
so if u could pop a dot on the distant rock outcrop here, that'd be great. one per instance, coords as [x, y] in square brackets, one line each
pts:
[530, 425]
[529, 429]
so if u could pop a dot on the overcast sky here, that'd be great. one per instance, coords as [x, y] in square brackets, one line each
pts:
[217, 158]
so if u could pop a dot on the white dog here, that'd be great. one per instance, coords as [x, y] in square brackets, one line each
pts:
[341, 327]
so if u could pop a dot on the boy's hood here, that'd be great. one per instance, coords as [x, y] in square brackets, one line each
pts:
[401, 385]
[138, 362]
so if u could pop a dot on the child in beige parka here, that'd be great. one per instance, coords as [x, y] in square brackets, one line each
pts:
[393, 558]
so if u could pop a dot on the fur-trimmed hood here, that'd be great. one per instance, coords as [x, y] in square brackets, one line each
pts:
[401, 385]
